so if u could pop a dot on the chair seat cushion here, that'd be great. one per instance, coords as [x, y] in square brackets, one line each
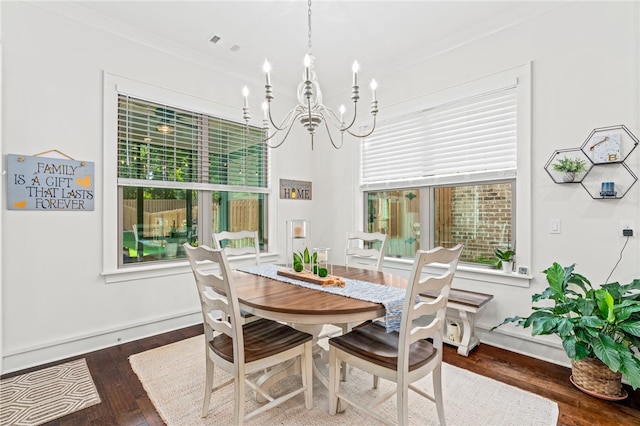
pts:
[262, 338]
[374, 344]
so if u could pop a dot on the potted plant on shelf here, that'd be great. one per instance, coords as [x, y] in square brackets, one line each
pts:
[505, 259]
[569, 167]
[599, 329]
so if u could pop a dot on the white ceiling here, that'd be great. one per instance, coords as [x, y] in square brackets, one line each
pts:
[382, 35]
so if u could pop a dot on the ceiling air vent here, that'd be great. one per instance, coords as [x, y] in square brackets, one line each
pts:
[214, 39]
[235, 48]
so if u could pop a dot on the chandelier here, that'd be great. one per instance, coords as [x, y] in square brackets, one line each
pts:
[310, 111]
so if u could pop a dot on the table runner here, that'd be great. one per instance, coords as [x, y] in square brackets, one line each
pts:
[391, 298]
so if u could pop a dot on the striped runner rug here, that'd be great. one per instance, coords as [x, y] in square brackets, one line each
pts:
[41, 396]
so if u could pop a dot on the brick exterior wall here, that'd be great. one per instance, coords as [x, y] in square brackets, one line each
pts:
[477, 216]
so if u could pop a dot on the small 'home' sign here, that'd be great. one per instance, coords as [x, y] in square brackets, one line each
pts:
[295, 189]
[41, 183]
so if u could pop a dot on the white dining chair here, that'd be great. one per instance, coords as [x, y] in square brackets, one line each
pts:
[402, 357]
[153, 246]
[238, 243]
[243, 349]
[365, 249]
[235, 244]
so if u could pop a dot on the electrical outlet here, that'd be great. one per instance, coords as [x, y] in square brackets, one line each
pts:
[627, 225]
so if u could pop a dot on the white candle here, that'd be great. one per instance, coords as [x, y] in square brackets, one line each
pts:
[298, 231]
[307, 64]
[374, 86]
[355, 67]
[245, 93]
[266, 67]
[322, 256]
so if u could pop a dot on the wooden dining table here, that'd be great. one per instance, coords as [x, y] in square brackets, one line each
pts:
[308, 309]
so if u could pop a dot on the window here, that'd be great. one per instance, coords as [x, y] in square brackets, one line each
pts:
[446, 175]
[182, 175]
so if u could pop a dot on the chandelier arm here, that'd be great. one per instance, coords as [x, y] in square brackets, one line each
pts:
[355, 115]
[331, 115]
[326, 125]
[287, 120]
[365, 135]
[286, 135]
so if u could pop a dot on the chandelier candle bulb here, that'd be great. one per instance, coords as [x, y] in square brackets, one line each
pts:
[355, 69]
[266, 67]
[245, 94]
[374, 86]
[307, 64]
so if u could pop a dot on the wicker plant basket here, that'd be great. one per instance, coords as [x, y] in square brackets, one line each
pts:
[594, 375]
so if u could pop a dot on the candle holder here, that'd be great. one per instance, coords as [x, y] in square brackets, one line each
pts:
[298, 232]
[607, 189]
[321, 262]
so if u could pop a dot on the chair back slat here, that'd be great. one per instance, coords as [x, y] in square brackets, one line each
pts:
[219, 324]
[238, 243]
[365, 249]
[430, 307]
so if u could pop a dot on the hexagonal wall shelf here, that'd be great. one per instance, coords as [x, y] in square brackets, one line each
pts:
[602, 156]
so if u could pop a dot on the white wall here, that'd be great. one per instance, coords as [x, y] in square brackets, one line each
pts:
[55, 303]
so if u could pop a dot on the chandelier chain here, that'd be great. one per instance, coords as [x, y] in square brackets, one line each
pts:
[309, 27]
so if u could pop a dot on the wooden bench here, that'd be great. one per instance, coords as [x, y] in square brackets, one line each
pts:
[468, 304]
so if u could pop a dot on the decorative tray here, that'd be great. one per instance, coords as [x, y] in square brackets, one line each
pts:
[330, 280]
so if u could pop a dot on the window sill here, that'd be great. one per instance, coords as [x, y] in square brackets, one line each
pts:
[162, 269]
[471, 273]
[148, 270]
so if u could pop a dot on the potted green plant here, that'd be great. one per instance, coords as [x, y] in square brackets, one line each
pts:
[303, 259]
[569, 167]
[599, 329]
[505, 259]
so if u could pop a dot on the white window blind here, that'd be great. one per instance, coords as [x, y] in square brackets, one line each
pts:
[472, 139]
[190, 148]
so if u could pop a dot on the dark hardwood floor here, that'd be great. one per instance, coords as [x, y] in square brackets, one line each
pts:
[124, 401]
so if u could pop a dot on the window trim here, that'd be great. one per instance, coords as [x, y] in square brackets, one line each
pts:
[523, 193]
[113, 85]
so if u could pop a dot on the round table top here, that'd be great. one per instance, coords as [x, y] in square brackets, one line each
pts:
[282, 301]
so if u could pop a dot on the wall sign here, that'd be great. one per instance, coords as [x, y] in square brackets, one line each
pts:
[295, 189]
[42, 183]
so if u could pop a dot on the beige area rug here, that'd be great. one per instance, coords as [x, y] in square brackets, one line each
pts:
[44, 395]
[173, 376]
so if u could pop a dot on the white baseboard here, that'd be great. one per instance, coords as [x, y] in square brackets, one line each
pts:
[525, 345]
[78, 345]
[54, 351]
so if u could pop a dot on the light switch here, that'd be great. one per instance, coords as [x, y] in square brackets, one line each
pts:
[554, 226]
